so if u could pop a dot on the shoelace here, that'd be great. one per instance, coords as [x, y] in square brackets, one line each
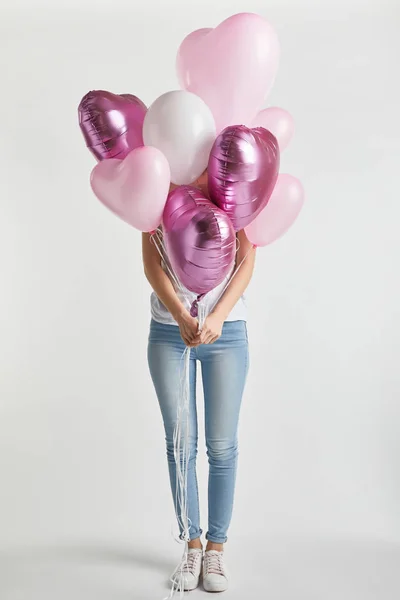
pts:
[213, 563]
[189, 566]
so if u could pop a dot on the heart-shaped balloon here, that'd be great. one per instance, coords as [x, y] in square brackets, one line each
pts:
[136, 188]
[111, 124]
[231, 67]
[278, 121]
[242, 172]
[199, 238]
[280, 213]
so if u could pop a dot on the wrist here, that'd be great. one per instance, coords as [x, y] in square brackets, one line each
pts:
[220, 313]
[180, 314]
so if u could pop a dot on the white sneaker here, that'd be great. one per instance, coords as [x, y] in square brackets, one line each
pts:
[215, 577]
[188, 572]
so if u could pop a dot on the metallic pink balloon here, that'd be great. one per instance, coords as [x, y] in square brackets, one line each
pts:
[199, 238]
[242, 171]
[111, 124]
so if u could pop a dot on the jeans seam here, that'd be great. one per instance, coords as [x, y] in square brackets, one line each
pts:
[198, 501]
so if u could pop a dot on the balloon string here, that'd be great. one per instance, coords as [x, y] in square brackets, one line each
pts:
[158, 241]
[182, 456]
[181, 434]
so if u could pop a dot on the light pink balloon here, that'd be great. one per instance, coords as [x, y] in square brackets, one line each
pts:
[278, 121]
[231, 67]
[136, 188]
[280, 213]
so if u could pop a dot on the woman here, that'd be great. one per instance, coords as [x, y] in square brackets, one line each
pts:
[221, 347]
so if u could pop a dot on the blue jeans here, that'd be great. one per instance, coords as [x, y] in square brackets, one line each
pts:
[224, 367]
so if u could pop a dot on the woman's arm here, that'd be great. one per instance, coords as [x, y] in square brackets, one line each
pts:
[162, 285]
[212, 328]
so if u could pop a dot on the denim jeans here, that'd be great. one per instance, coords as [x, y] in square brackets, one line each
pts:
[224, 366]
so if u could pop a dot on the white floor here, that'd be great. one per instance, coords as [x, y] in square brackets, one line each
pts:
[277, 569]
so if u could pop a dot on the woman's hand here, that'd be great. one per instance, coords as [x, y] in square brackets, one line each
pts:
[189, 329]
[212, 329]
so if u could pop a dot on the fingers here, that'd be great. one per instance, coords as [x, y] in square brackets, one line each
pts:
[195, 338]
[211, 338]
[192, 329]
[197, 341]
[191, 341]
[191, 344]
[186, 336]
[204, 336]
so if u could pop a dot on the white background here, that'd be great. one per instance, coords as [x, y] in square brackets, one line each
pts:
[82, 465]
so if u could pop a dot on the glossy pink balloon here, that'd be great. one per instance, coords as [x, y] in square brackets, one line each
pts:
[242, 171]
[111, 124]
[136, 188]
[278, 121]
[280, 213]
[199, 238]
[232, 67]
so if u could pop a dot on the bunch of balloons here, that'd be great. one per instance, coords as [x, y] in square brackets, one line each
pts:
[214, 122]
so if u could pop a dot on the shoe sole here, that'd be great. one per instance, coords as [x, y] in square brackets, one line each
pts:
[221, 588]
[190, 588]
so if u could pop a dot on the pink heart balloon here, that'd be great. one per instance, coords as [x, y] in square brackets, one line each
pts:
[199, 238]
[280, 213]
[111, 124]
[231, 67]
[242, 172]
[136, 188]
[278, 121]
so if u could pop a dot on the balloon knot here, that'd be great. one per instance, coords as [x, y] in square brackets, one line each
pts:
[194, 309]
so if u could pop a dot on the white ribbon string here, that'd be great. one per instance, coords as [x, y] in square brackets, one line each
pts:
[158, 241]
[181, 432]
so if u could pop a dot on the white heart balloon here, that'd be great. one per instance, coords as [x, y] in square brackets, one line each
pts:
[181, 125]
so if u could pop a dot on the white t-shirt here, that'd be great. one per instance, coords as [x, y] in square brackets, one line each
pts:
[161, 314]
